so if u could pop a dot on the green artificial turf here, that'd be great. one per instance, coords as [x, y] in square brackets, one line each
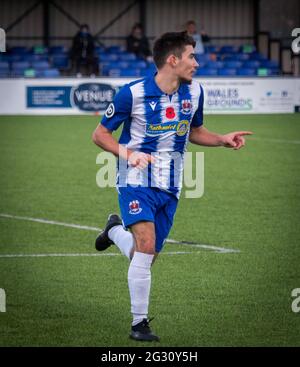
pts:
[199, 297]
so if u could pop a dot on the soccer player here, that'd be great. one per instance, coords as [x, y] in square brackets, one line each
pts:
[160, 114]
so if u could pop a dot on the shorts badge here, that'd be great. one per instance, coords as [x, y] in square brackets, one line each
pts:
[134, 207]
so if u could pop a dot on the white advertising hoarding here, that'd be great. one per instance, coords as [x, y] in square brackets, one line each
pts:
[249, 95]
[85, 96]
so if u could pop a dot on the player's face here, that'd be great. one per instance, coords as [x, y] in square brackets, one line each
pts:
[186, 65]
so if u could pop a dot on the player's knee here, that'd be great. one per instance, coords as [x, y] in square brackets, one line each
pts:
[146, 245]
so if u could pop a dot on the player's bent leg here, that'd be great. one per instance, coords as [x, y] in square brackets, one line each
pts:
[114, 233]
[103, 241]
[139, 280]
[123, 239]
[144, 236]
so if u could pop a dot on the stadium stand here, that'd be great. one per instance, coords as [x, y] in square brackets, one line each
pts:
[114, 61]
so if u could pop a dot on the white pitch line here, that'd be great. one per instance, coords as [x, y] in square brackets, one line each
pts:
[215, 248]
[46, 221]
[88, 228]
[271, 140]
[88, 254]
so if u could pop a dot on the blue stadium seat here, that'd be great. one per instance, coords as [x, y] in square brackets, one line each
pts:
[262, 71]
[18, 68]
[17, 73]
[257, 56]
[57, 50]
[228, 49]
[60, 61]
[4, 74]
[207, 72]
[107, 66]
[4, 69]
[4, 66]
[118, 65]
[20, 65]
[114, 49]
[41, 65]
[12, 58]
[227, 72]
[269, 64]
[127, 56]
[130, 72]
[274, 71]
[108, 57]
[246, 71]
[201, 64]
[251, 64]
[236, 57]
[19, 50]
[202, 57]
[34, 58]
[139, 64]
[114, 72]
[100, 49]
[50, 73]
[211, 49]
[214, 64]
[233, 64]
[104, 68]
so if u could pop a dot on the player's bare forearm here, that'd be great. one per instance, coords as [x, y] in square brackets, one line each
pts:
[104, 139]
[202, 136]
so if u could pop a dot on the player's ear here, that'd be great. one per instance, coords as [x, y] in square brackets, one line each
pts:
[172, 60]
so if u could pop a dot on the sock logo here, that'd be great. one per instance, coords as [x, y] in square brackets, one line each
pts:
[134, 207]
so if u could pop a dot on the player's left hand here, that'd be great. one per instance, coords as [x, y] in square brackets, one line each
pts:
[235, 140]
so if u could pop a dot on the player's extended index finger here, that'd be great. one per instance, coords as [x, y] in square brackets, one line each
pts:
[241, 133]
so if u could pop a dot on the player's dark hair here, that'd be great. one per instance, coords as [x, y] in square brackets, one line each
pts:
[170, 43]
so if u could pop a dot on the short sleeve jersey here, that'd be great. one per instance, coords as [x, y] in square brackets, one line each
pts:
[155, 123]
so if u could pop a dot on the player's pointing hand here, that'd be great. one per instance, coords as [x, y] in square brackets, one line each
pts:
[235, 139]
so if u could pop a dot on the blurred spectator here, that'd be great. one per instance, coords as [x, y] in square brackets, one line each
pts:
[82, 51]
[138, 43]
[199, 38]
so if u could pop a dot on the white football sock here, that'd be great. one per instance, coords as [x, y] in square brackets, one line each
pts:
[123, 239]
[139, 282]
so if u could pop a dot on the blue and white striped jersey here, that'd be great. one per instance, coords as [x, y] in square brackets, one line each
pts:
[158, 124]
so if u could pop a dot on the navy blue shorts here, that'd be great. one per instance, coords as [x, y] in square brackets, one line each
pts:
[148, 204]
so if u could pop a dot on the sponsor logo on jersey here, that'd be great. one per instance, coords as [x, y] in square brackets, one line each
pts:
[180, 127]
[157, 129]
[110, 111]
[134, 207]
[186, 106]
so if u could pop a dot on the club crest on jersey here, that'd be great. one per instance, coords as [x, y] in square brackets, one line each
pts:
[186, 106]
[170, 113]
[182, 127]
[134, 207]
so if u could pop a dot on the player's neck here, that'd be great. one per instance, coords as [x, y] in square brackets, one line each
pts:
[166, 82]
